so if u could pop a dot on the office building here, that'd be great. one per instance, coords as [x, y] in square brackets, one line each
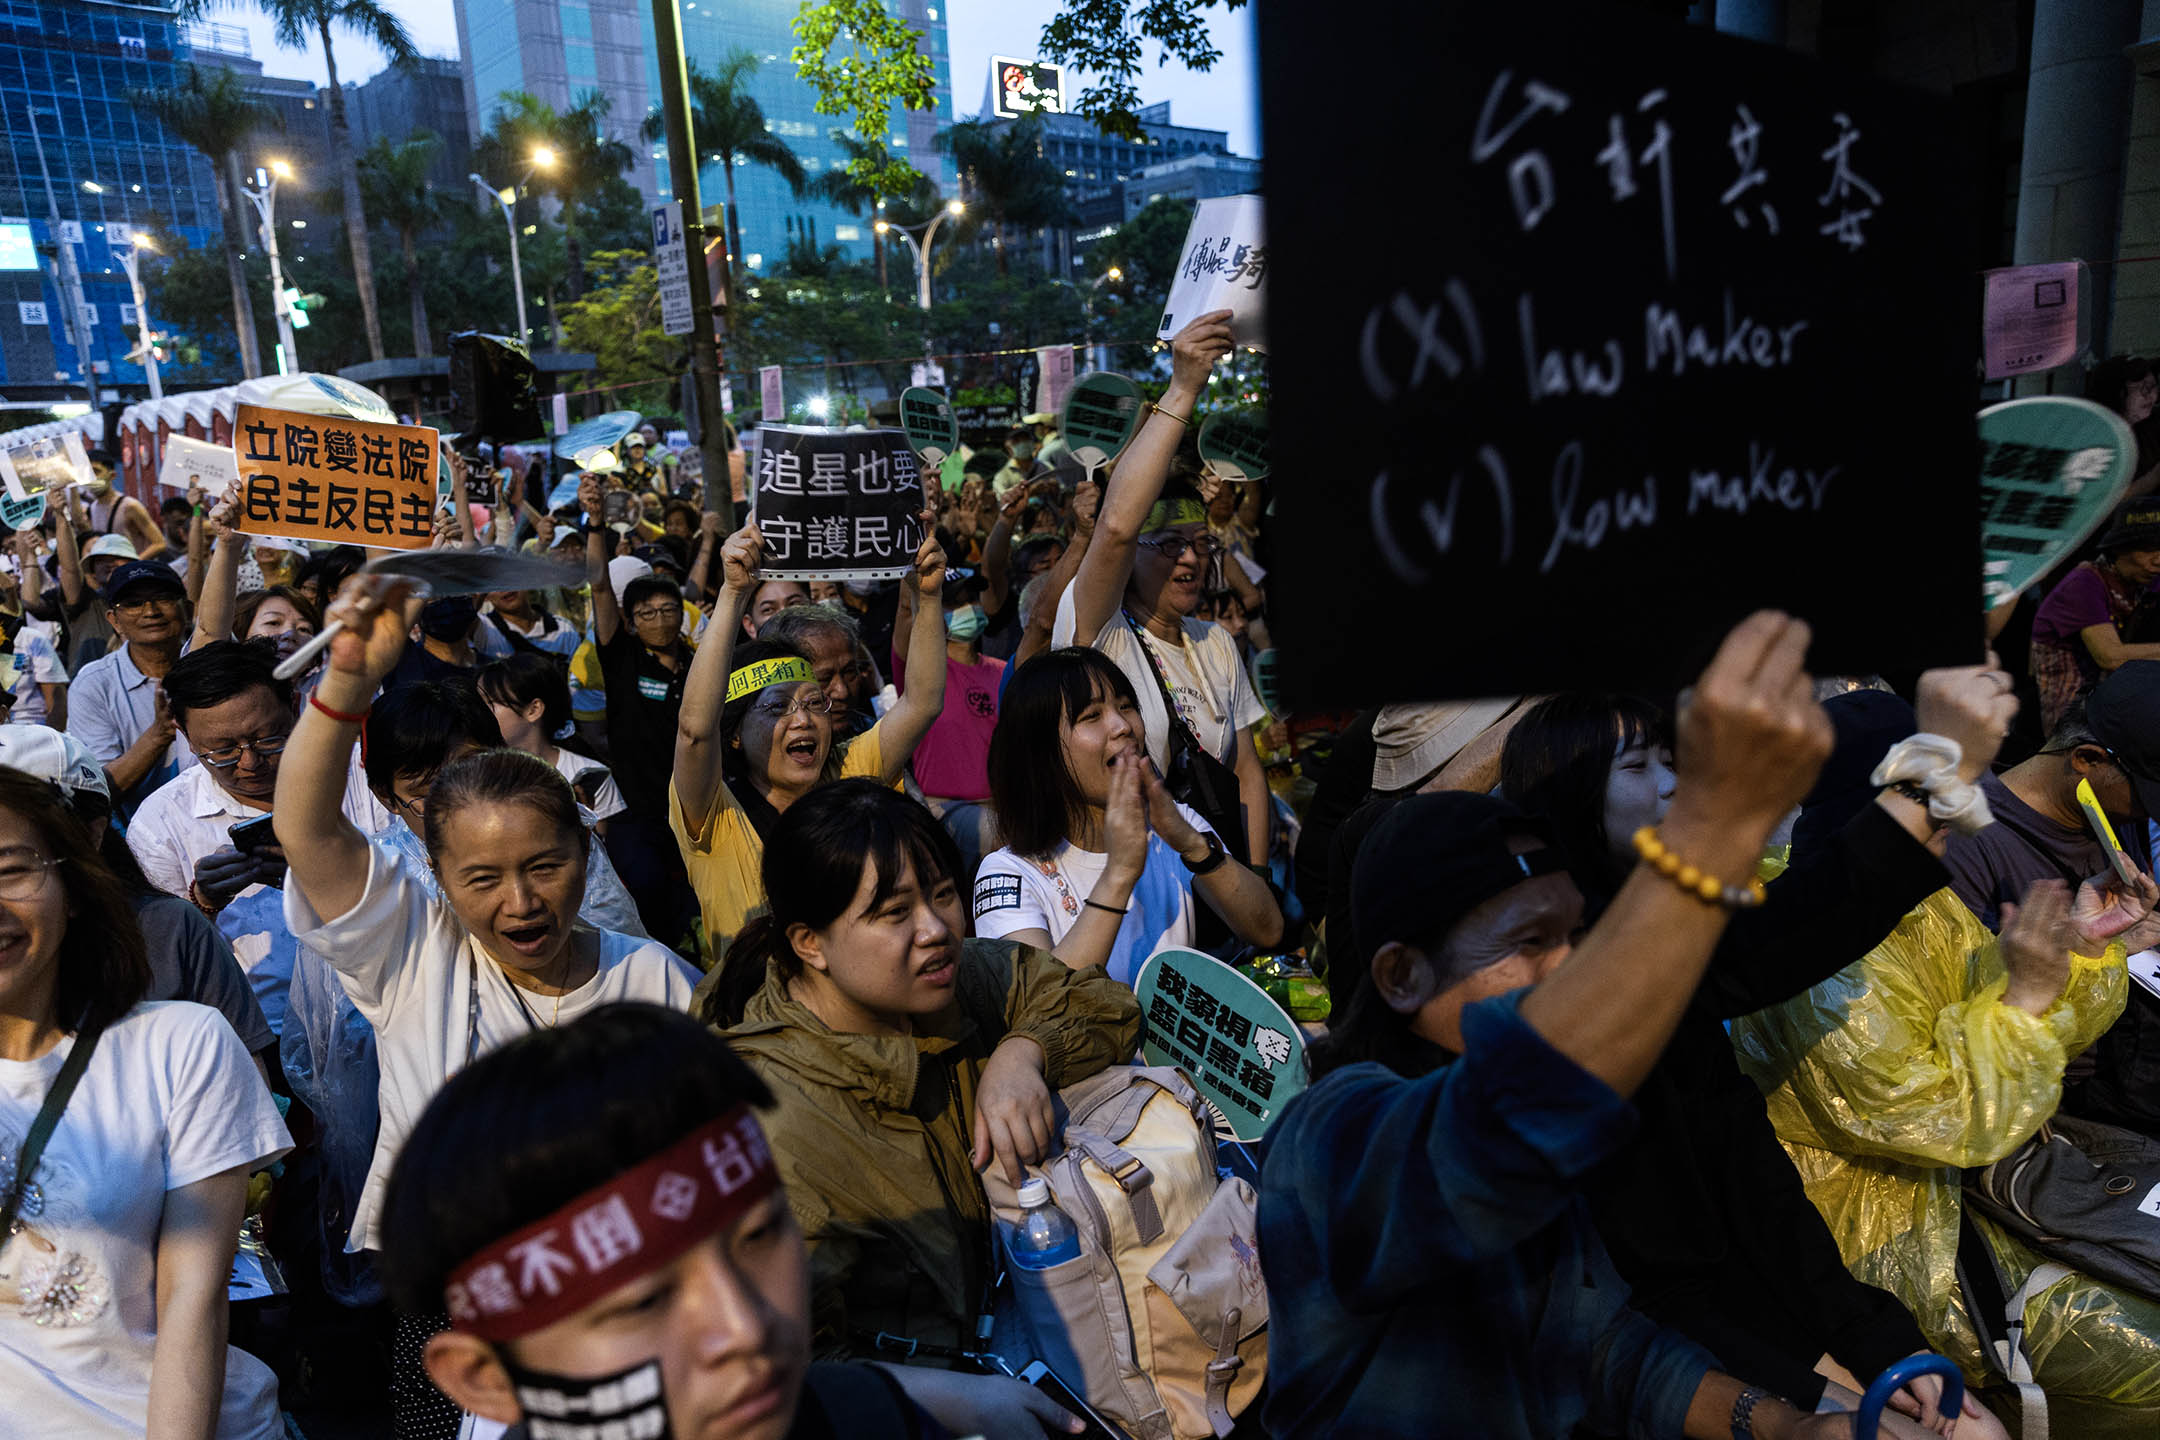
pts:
[396, 104]
[1191, 179]
[76, 145]
[299, 136]
[558, 49]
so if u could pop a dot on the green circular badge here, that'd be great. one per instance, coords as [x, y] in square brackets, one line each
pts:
[1101, 415]
[927, 418]
[1233, 444]
[2051, 469]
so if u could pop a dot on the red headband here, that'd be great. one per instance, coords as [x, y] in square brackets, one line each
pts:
[614, 1233]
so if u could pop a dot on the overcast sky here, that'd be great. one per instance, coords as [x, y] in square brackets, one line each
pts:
[1226, 98]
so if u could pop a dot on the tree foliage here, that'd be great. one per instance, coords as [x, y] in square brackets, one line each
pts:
[862, 60]
[1005, 179]
[1107, 38]
[618, 321]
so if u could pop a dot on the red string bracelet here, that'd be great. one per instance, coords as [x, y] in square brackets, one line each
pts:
[338, 715]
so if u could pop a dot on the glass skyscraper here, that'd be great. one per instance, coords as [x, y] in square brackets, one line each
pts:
[557, 49]
[66, 70]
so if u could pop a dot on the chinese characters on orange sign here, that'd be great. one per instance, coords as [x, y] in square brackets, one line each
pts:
[323, 477]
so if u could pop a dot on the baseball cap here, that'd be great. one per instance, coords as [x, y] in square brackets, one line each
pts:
[1412, 741]
[1435, 858]
[2136, 525]
[2124, 712]
[56, 756]
[118, 545]
[141, 572]
[656, 556]
[622, 570]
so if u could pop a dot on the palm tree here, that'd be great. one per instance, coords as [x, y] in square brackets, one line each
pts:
[727, 124]
[1005, 177]
[394, 183]
[843, 191]
[295, 23]
[210, 112]
[586, 158]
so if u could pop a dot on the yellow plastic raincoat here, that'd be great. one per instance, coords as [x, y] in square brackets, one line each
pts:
[1904, 1067]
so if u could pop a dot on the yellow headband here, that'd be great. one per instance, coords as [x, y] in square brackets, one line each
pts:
[758, 674]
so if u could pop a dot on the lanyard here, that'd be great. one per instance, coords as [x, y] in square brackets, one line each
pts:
[472, 1006]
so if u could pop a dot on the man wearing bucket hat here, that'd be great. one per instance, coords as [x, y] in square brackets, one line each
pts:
[2091, 622]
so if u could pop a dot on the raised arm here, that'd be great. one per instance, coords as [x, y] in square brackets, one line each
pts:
[599, 545]
[1099, 587]
[72, 585]
[220, 578]
[698, 746]
[327, 854]
[460, 507]
[997, 550]
[1043, 618]
[709, 538]
[1751, 740]
[923, 700]
[198, 546]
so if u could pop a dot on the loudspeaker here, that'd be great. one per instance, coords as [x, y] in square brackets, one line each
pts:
[491, 388]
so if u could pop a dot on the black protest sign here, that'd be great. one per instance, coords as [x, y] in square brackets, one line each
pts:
[1690, 335]
[1101, 415]
[1233, 444]
[835, 504]
[926, 417]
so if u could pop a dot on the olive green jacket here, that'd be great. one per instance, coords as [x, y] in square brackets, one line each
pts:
[873, 1134]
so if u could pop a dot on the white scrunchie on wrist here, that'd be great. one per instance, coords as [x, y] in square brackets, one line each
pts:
[1931, 762]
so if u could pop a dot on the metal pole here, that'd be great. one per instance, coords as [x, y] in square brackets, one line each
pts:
[131, 261]
[683, 180]
[265, 200]
[68, 278]
[517, 265]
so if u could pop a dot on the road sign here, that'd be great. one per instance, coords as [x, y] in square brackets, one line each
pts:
[672, 262]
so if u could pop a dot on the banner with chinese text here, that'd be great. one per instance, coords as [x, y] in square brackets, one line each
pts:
[836, 504]
[322, 477]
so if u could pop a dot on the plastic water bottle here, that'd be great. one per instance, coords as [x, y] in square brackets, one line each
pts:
[1044, 1235]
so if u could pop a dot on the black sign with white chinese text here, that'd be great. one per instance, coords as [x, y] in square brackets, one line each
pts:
[835, 504]
[1680, 328]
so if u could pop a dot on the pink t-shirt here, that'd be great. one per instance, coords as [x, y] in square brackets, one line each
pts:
[952, 762]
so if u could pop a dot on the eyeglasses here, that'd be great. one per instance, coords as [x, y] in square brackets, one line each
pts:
[227, 756]
[649, 613]
[1173, 547]
[143, 602]
[813, 702]
[23, 879]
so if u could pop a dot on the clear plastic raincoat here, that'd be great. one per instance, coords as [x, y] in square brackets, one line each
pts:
[1905, 1067]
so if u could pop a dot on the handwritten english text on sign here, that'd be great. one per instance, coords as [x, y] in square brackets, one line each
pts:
[835, 504]
[671, 264]
[324, 477]
[2051, 469]
[1232, 1041]
[1223, 267]
[2030, 322]
[1688, 337]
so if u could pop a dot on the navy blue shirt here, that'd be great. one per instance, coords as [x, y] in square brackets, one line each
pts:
[1431, 1267]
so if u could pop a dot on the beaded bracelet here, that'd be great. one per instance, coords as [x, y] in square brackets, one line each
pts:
[1706, 888]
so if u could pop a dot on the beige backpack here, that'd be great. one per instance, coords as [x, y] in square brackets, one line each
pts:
[1161, 1323]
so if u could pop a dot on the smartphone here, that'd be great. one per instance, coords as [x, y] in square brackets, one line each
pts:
[1039, 1375]
[250, 836]
[2125, 871]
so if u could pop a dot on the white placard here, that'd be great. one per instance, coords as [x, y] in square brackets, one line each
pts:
[1223, 266]
[1056, 377]
[671, 262]
[771, 395]
[189, 461]
[36, 466]
[2145, 969]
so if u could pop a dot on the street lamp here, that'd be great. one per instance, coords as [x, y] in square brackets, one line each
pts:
[131, 261]
[265, 197]
[921, 248]
[67, 276]
[507, 196]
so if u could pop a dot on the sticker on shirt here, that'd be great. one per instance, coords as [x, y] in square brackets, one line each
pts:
[2151, 1204]
[996, 892]
[651, 688]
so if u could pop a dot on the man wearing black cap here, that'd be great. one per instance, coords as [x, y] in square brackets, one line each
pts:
[116, 705]
[1431, 1266]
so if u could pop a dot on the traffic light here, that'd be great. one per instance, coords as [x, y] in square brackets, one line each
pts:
[298, 304]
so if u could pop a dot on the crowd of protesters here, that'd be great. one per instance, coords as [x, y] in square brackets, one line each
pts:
[622, 1008]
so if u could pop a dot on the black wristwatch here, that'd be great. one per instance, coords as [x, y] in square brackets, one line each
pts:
[1209, 863]
[1743, 1411]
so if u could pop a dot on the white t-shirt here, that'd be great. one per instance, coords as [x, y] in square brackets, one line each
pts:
[412, 970]
[1205, 673]
[26, 665]
[1014, 894]
[169, 1098]
[607, 800]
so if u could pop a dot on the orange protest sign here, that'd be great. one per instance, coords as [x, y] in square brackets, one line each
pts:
[326, 477]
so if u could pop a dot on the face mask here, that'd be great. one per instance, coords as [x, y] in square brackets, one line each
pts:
[861, 589]
[965, 623]
[833, 602]
[630, 1403]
